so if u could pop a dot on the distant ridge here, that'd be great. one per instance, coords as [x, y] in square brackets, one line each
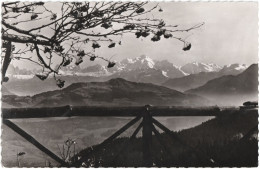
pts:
[115, 92]
[242, 86]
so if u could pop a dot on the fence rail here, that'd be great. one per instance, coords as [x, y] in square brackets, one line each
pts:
[70, 111]
[145, 112]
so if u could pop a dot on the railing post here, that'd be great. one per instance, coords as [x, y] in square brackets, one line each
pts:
[147, 137]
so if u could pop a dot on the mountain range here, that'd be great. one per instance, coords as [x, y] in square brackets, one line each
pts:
[231, 89]
[195, 80]
[139, 69]
[115, 92]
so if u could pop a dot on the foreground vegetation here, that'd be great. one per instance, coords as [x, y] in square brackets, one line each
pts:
[226, 141]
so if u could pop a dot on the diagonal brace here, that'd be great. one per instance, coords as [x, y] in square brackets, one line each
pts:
[32, 140]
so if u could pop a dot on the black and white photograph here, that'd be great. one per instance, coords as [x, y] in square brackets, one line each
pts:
[129, 84]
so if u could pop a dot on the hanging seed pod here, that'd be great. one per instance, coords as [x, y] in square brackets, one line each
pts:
[155, 38]
[129, 26]
[46, 49]
[160, 32]
[26, 10]
[167, 35]
[74, 13]
[161, 24]
[53, 17]
[34, 16]
[138, 34]
[92, 58]
[79, 61]
[106, 25]
[112, 45]
[67, 62]
[15, 10]
[42, 76]
[95, 45]
[60, 83]
[145, 33]
[140, 10]
[187, 46]
[81, 53]
[58, 48]
[111, 64]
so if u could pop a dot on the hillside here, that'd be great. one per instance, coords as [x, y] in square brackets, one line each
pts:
[227, 141]
[115, 92]
[243, 86]
[196, 80]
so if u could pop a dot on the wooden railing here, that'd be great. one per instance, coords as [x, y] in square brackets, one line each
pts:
[146, 113]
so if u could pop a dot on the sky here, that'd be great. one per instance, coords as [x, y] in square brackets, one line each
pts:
[230, 35]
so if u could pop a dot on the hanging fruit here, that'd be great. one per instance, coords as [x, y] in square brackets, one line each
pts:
[138, 34]
[187, 46]
[79, 60]
[161, 24]
[67, 62]
[140, 10]
[92, 58]
[145, 33]
[155, 38]
[81, 53]
[26, 10]
[167, 35]
[42, 76]
[58, 48]
[54, 16]
[46, 49]
[160, 32]
[129, 26]
[34, 16]
[95, 45]
[106, 25]
[111, 64]
[112, 45]
[60, 83]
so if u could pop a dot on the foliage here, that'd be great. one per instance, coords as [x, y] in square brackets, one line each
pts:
[213, 144]
[71, 31]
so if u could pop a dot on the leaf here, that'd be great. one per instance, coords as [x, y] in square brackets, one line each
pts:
[34, 16]
[112, 45]
[111, 64]
[67, 62]
[42, 76]
[60, 83]
[95, 45]
[129, 26]
[187, 46]
[81, 53]
[92, 58]
[79, 61]
[155, 38]
[167, 34]
[53, 17]
[140, 10]
[46, 49]
[106, 25]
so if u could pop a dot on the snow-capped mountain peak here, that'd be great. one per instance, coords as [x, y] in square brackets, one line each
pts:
[197, 67]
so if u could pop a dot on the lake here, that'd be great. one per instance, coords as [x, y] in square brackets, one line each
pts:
[52, 132]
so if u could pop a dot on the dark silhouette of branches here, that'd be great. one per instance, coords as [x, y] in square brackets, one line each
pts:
[74, 30]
